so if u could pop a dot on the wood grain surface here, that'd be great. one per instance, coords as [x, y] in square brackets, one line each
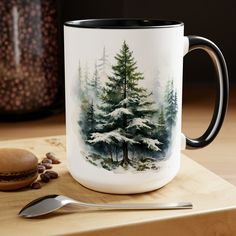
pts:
[213, 198]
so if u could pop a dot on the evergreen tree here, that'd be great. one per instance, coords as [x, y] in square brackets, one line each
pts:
[175, 103]
[95, 82]
[171, 105]
[83, 118]
[87, 120]
[103, 64]
[162, 130]
[158, 91]
[80, 83]
[126, 112]
[86, 80]
[91, 122]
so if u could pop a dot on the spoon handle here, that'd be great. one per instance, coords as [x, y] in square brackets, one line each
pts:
[141, 206]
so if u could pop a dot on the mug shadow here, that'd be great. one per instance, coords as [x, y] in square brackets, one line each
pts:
[71, 188]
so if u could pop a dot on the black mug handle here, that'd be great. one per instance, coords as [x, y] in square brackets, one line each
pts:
[196, 42]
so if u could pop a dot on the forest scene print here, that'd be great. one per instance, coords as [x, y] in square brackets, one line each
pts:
[120, 122]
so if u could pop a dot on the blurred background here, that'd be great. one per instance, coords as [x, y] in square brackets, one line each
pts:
[212, 19]
[32, 50]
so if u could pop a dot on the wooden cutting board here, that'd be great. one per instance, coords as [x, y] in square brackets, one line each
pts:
[214, 201]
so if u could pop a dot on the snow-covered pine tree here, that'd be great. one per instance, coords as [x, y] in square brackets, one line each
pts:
[87, 120]
[95, 84]
[80, 82]
[85, 104]
[158, 88]
[162, 132]
[90, 120]
[103, 64]
[126, 111]
[86, 80]
[175, 104]
[171, 106]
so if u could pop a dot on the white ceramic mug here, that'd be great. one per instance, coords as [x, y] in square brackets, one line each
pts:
[124, 101]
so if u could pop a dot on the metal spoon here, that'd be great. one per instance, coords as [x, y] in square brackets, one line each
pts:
[49, 203]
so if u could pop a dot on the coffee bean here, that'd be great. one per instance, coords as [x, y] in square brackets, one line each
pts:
[47, 174]
[52, 174]
[52, 156]
[36, 185]
[47, 165]
[41, 168]
[45, 178]
[56, 161]
[46, 160]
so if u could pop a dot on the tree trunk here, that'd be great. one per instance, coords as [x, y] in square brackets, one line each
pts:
[125, 154]
[111, 154]
[125, 161]
[117, 154]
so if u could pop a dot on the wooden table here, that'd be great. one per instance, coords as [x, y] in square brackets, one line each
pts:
[213, 213]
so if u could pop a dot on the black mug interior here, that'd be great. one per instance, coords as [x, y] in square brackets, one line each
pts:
[123, 23]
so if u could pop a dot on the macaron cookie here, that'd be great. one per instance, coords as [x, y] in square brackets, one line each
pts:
[18, 168]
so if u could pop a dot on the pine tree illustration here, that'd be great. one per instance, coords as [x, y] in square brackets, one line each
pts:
[171, 108]
[95, 84]
[91, 122]
[87, 120]
[86, 80]
[103, 64]
[162, 132]
[80, 82]
[126, 112]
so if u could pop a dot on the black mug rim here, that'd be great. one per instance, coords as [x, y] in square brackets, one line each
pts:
[123, 23]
